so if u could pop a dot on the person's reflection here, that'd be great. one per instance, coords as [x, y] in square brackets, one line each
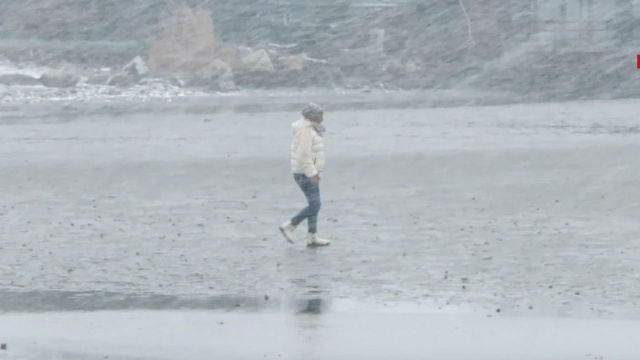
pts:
[310, 323]
[311, 286]
[310, 307]
[313, 305]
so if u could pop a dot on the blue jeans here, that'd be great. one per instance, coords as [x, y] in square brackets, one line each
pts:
[312, 193]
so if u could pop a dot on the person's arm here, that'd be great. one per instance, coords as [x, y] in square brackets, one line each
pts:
[303, 152]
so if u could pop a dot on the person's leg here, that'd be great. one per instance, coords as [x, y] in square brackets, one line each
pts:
[313, 197]
[289, 226]
[310, 212]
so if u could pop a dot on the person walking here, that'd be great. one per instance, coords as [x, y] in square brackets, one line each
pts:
[307, 164]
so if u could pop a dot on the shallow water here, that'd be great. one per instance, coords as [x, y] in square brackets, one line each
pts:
[334, 335]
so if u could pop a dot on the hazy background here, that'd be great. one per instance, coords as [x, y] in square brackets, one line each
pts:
[540, 49]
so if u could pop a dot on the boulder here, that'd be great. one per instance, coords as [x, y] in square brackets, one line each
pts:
[123, 80]
[83, 81]
[98, 79]
[59, 79]
[292, 62]
[221, 84]
[136, 67]
[177, 82]
[216, 76]
[243, 51]
[130, 75]
[259, 79]
[219, 68]
[202, 76]
[258, 61]
[18, 79]
[395, 67]
[361, 63]
[314, 75]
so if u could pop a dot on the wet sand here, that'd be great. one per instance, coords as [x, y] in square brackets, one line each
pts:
[532, 209]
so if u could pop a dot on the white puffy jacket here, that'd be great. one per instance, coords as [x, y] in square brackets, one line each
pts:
[307, 149]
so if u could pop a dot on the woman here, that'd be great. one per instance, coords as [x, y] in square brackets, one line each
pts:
[307, 164]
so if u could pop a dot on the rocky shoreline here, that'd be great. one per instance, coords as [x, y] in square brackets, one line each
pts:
[199, 51]
[31, 91]
[35, 103]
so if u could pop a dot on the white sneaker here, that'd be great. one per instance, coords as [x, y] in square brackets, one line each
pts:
[314, 240]
[287, 230]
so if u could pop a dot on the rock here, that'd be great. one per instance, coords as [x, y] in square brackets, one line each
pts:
[18, 79]
[98, 79]
[217, 76]
[71, 68]
[208, 74]
[292, 62]
[220, 68]
[243, 51]
[258, 61]
[131, 74]
[136, 67]
[362, 64]
[176, 81]
[59, 79]
[395, 67]
[123, 80]
[3, 346]
[223, 84]
[262, 79]
[83, 81]
[313, 75]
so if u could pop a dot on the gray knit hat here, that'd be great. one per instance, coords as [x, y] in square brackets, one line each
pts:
[312, 110]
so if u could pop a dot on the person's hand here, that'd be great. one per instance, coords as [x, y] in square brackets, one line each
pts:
[314, 179]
